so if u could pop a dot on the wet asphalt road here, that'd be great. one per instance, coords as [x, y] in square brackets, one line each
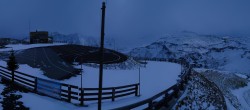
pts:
[56, 61]
[48, 61]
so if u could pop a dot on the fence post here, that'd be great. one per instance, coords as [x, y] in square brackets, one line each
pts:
[113, 94]
[69, 93]
[185, 80]
[176, 90]
[150, 105]
[166, 96]
[182, 85]
[166, 99]
[35, 86]
[82, 96]
[13, 76]
[136, 90]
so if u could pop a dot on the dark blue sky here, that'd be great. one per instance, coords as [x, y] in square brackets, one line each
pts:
[125, 18]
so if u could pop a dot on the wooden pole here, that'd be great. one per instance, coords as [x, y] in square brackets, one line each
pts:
[13, 76]
[81, 85]
[35, 87]
[82, 97]
[69, 93]
[113, 94]
[101, 57]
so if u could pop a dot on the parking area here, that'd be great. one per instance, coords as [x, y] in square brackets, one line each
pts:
[87, 54]
[56, 61]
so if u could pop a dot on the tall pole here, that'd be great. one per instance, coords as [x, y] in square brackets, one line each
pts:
[81, 81]
[101, 57]
[139, 80]
[81, 75]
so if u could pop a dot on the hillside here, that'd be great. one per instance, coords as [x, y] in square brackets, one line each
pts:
[83, 40]
[206, 51]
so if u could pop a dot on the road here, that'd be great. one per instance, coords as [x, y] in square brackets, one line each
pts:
[56, 61]
[48, 61]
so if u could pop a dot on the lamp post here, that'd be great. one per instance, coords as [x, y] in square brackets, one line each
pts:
[80, 63]
[81, 84]
[139, 80]
[81, 73]
[101, 57]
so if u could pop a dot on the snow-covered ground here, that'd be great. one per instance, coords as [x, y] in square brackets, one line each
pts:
[1, 97]
[230, 58]
[200, 95]
[243, 95]
[155, 77]
[26, 46]
[234, 86]
[38, 102]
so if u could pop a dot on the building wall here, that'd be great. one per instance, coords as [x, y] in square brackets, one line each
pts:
[39, 37]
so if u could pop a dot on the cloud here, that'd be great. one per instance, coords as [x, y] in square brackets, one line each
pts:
[125, 18]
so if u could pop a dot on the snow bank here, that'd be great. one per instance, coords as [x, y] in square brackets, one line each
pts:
[243, 96]
[1, 97]
[37, 102]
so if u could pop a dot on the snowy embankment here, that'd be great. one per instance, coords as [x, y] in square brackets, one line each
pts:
[200, 94]
[243, 95]
[1, 97]
[27, 46]
[234, 86]
[155, 77]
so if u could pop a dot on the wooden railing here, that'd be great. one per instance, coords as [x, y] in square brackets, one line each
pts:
[167, 95]
[26, 80]
[67, 92]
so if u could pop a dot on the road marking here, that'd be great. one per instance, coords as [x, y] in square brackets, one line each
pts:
[54, 64]
[114, 60]
[77, 55]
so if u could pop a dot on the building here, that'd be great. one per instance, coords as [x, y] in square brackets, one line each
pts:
[40, 37]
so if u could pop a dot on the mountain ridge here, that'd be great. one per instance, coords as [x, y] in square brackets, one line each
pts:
[205, 51]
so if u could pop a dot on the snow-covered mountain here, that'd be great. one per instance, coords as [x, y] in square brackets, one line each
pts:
[207, 51]
[74, 39]
[82, 40]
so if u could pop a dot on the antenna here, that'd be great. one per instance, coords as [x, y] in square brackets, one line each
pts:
[29, 25]
[29, 30]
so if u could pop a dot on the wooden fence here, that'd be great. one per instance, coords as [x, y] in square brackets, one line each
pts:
[27, 81]
[67, 92]
[166, 96]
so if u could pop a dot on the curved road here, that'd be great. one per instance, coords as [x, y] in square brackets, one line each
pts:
[53, 60]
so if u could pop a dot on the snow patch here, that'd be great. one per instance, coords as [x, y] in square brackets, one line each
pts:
[243, 95]
[23, 46]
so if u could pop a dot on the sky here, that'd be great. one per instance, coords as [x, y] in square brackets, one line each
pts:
[125, 19]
